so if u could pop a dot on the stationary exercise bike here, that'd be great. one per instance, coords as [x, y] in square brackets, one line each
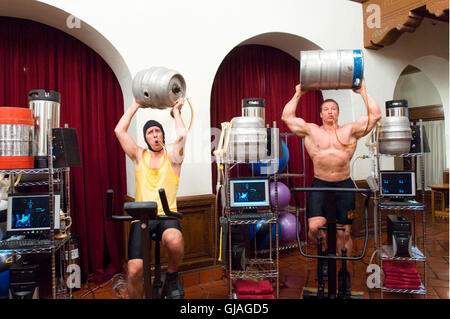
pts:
[343, 291]
[146, 211]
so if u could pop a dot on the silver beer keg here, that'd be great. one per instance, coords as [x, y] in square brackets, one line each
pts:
[14, 140]
[158, 87]
[395, 132]
[331, 69]
[15, 131]
[46, 110]
[248, 138]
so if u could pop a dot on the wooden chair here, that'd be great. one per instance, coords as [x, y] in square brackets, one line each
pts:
[442, 189]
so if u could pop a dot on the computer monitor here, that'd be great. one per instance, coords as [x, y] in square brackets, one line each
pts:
[30, 214]
[397, 184]
[249, 193]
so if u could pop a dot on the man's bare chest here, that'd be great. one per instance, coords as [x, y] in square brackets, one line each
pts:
[322, 139]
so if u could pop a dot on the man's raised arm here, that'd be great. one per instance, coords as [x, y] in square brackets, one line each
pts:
[366, 123]
[297, 125]
[177, 155]
[129, 146]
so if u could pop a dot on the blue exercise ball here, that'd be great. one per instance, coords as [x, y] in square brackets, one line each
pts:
[261, 169]
[262, 234]
[4, 284]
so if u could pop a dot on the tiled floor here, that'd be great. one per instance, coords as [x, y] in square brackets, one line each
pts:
[297, 272]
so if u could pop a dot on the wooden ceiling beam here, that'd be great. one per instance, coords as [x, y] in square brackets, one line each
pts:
[386, 20]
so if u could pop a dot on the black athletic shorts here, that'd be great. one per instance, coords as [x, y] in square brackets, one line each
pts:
[345, 202]
[155, 226]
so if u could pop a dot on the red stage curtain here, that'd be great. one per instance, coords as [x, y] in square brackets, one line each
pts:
[256, 71]
[36, 56]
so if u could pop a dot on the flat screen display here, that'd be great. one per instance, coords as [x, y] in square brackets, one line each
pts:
[29, 213]
[248, 193]
[398, 184]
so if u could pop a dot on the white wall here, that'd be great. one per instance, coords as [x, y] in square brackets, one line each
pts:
[417, 89]
[193, 37]
[426, 49]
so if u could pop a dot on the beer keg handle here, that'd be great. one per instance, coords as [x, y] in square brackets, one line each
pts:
[34, 93]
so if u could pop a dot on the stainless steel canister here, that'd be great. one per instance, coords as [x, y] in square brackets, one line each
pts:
[395, 132]
[397, 108]
[331, 69]
[254, 108]
[158, 87]
[46, 110]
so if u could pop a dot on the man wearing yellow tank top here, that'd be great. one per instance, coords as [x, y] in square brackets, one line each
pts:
[155, 168]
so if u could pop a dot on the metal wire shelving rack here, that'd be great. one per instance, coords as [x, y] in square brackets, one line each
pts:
[265, 263]
[51, 177]
[418, 244]
[257, 267]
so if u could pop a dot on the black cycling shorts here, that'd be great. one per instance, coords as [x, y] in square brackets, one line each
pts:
[155, 226]
[345, 201]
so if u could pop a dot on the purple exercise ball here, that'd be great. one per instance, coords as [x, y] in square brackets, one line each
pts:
[284, 195]
[288, 223]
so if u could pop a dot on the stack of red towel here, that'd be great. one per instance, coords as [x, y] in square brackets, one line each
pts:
[247, 289]
[401, 275]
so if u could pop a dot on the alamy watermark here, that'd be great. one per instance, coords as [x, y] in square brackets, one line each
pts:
[73, 22]
[374, 279]
[374, 18]
[74, 276]
[202, 142]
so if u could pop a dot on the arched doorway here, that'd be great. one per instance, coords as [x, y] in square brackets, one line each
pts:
[262, 71]
[258, 71]
[425, 103]
[37, 56]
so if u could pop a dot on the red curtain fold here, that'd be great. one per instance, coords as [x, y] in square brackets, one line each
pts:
[256, 71]
[36, 56]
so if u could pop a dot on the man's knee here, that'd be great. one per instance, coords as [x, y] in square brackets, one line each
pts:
[173, 240]
[314, 224]
[135, 270]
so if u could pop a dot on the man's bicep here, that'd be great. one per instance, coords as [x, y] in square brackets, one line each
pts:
[129, 146]
[361, 128]
[298, 126]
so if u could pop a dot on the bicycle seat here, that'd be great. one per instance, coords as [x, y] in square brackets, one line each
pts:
[141, 210]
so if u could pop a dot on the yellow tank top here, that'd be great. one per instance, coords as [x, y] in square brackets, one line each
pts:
[149, 181]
